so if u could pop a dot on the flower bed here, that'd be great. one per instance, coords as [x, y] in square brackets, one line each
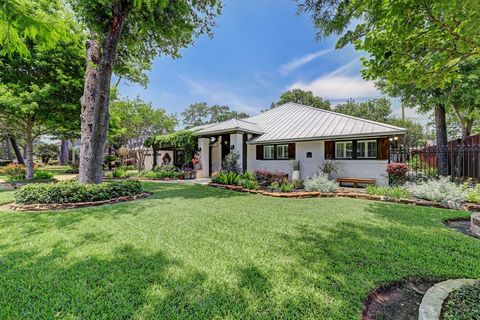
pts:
[355, 195]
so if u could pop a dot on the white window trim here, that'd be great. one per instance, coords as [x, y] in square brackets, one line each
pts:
[278, 148]
[365, 142]
[345, 149]
[264, 152]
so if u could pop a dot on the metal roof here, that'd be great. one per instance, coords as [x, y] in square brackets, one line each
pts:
[293, 122]
[231, 125]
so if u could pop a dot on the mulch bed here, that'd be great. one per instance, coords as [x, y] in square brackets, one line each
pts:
[461, 225]
[356, 195]
[61, 206]
[396, 301]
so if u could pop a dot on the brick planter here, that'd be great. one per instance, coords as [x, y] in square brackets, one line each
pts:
[60, 206]
[475, 224]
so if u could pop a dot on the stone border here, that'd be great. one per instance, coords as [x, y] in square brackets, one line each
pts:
[355, 195]
[431, 306]
[60, 206]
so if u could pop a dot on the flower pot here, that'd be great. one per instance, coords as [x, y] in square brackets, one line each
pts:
[295, 175]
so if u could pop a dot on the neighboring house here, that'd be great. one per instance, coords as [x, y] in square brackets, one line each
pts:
[272, 139]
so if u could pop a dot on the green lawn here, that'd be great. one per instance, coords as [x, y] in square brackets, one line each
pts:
[198, 252]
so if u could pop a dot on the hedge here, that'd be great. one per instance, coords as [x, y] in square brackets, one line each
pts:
[73, 192]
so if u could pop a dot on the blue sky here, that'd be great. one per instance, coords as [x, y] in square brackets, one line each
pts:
[260, 49]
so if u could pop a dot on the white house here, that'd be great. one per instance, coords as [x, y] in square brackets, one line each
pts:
[272, 139]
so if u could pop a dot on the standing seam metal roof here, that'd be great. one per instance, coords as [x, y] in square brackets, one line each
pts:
[292, 121]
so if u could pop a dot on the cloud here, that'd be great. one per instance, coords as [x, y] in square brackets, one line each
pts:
[301, 61]
[340, 84]
[215, 93]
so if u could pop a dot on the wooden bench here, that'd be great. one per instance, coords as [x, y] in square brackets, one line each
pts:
[356, 181]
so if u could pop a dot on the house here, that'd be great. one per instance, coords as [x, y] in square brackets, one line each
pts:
[272, 139]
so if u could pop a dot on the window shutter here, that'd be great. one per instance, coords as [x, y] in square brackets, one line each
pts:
[329, 149]
[291, 151]
[259, 152]
[383, 149]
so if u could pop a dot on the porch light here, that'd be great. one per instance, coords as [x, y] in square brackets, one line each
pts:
[199, 149]
[232, 147]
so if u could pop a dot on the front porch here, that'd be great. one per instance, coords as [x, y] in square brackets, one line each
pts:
[214, 148]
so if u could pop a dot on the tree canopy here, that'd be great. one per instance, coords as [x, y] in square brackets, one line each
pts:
[44, 22]
[40, 92]
[201, 113]
[379, 109]
[303, 97]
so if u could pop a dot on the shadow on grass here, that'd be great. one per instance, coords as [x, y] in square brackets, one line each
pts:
[349, 260]
[128, 284]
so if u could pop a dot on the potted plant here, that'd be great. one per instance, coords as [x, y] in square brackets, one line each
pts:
[296, 170]
[196, 162]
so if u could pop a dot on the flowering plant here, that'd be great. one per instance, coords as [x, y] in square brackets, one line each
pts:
[397, 172]
[196, 159]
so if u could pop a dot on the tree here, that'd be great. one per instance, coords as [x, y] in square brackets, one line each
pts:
[135, 121]
[415, 136]
[41, 91]
[415, 44]
[125, 36]
[302, 97]
[24, 21]
[379, 109]
[201, 113]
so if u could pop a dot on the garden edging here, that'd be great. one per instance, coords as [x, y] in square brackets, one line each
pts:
[355, 195]
[431, 306]
[73, 205]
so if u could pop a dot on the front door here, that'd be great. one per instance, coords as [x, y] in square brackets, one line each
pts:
[225, 145]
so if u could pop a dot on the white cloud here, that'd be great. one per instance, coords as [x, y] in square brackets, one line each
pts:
[215, 93]
[340, 84]
[301, 61]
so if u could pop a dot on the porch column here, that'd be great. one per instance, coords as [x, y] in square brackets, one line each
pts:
[236, 141]
[204, 146]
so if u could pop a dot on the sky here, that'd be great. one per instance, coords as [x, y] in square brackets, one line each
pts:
[259, 50]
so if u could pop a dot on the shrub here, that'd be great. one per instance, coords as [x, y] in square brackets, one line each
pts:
[42, 175]
[73, 191]
[15, 172]
[392, 192]
[165, 168]
[248, 176]
[160, 175]
[329, 166]
[72, 169]
[230, 162]
[286, 187]
[119, 172]
[4, 163]
[473, 194]
[273, 186]
[320, 183]
[249, 184]
[298, 183]
[227, 178]
[397, 172]
[442, 191]
[266, 178]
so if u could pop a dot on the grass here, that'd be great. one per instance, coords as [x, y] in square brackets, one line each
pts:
[463, 304]
[6, 196]
[195, 252]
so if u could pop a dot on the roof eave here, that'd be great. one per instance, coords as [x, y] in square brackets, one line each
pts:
[369, 135]
[215, 132]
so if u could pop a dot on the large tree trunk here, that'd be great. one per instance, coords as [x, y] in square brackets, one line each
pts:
[442, 141]
[29, 150]
[16, 149]
[63, 157]
[95, 100]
